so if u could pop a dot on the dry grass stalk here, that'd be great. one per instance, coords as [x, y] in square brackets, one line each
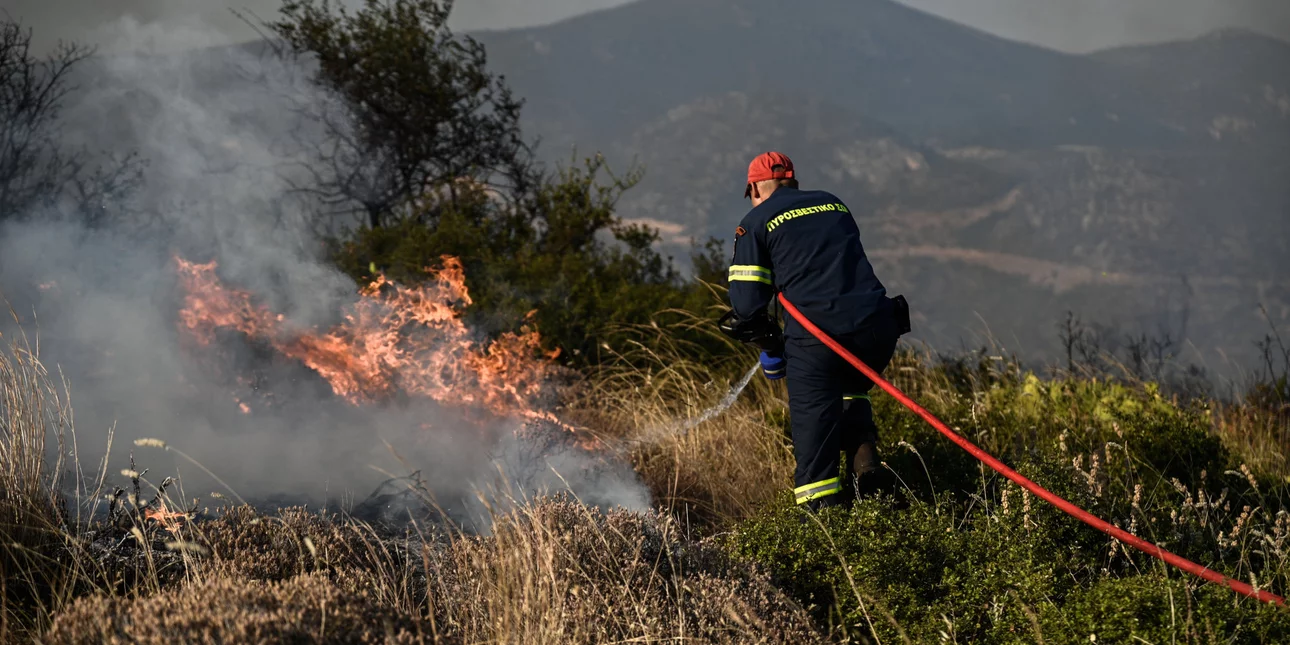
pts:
[716, 472]
[35, 420]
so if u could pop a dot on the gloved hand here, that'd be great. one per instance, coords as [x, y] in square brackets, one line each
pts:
[773, 366]
[759, 330]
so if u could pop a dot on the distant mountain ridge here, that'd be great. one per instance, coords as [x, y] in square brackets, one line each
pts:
[1239, 78]
[692, 88]
[926, 76]
[1140, 186]
[986, 175]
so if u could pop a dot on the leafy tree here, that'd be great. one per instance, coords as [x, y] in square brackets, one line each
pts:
[562, 254]
[424, 142]
[415, 108]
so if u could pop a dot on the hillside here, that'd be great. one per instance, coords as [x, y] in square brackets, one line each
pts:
[1238, 78]
[695, 156]
[598, 74]
[963, 152]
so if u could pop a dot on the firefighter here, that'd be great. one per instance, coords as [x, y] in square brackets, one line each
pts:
[806, 244]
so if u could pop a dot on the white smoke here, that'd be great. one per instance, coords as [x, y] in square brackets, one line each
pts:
[104, 302]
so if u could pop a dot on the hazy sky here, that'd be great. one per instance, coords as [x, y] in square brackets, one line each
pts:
[1072, 25]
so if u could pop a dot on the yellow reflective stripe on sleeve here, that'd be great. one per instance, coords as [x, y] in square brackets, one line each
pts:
[852, 397]
[818, 489]
[749, 273]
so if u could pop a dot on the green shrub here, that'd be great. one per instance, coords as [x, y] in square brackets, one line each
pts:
[909, 568]
[983, 561]
[561, 260]
[1155, 610]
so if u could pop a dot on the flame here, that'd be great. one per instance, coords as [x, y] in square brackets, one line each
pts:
[394, 339]
[168, 519]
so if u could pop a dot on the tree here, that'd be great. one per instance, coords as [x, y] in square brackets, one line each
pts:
[562, 254]
[31, 92]
[413, 107]
[424, 142]
[35, 172]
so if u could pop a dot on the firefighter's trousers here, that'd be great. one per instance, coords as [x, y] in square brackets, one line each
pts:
[830, 413]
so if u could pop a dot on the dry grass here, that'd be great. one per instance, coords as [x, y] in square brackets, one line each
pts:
[1261, 436]
[36, 531]
[228, 609]
[560, 572]
[713, 473]
[552, 571]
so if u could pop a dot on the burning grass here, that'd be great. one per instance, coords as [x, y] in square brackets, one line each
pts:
[552, 571]
[394, 340]
[726, 557]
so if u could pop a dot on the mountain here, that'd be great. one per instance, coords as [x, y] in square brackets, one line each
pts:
[1239, 78]
[590, 77]
[993, 181]
[696, 154]
[1145, 141]
[1143, 187]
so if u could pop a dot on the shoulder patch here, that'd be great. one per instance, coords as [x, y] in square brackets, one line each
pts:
[739, 231]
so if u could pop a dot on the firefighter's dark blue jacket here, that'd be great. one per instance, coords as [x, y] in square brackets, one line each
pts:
[806, 244]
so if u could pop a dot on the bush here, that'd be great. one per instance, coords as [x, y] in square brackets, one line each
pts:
[421, 141]
[1155, 610]
[562, 260]
[984, 575]
[294, 542]
[982, 561]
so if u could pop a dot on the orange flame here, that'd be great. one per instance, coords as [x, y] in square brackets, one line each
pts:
[168, 519]
[393, 339]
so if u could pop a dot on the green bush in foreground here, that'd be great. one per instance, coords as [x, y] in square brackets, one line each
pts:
[981, 561]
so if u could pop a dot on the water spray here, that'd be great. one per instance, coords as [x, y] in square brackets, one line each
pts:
[682, 428]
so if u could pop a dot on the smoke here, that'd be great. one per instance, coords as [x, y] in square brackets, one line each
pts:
[103, 303]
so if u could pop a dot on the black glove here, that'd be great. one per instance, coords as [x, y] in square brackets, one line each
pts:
[759, 330]
[900, 309]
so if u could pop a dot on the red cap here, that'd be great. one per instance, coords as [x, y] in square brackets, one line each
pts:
[761, 169]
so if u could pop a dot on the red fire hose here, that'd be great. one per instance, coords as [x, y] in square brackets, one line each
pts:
[998, 466]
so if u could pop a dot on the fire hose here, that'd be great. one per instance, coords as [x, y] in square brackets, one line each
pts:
[999, 467]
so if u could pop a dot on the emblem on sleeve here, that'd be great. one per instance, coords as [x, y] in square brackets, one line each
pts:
[739, 231]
